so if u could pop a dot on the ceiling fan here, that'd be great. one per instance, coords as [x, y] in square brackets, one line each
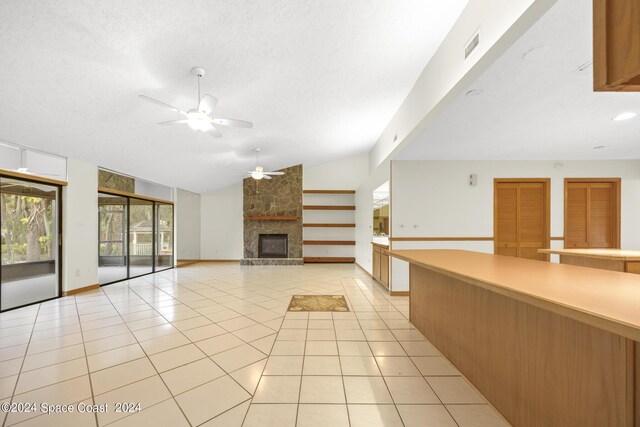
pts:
[259, 172]
[199, 118]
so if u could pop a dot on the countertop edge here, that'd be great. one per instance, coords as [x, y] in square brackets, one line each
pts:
[611, 325]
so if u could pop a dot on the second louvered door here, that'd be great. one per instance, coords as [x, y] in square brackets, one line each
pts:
[592, 214]
[521, 218]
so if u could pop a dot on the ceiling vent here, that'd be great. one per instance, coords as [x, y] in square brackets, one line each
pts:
[475, 41]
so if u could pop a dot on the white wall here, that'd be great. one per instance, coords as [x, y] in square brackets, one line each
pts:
[448, 73]
[188, 211]
[434, 199]
[344, 174]
[221, 224]
[151, 189]
[80, 226]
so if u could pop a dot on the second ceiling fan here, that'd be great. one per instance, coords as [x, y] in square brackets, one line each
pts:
[199, 118]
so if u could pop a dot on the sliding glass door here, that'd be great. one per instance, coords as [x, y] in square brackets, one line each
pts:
[113, 251]
[136, 237]
[164, 236]
[29, 225]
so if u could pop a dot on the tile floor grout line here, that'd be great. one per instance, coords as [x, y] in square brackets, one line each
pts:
[154, 367]
[207, 356]
[93, 398]
[15, 386]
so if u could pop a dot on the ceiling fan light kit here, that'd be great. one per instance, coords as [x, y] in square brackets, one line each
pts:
[200, 119]
[258, 173]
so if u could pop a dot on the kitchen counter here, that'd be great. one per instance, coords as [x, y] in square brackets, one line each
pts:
[525, 333]
[606, 259]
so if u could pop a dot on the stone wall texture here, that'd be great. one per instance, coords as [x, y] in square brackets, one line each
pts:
[280, 196]
[108, 179]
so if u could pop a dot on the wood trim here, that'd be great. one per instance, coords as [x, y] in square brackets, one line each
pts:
[328, 225]
[617, 183]
[329, 208]
[185, 263]
[271, 218]
[329, 242]
[30, 177]
[599, 44]
[329, 260]
[547, 225]
[452, 239]
[588, 180]
[133, 195]
[525, 180]
[440, 239]
[80, 290]
[399, 293]
[616, 61]
[328, 191]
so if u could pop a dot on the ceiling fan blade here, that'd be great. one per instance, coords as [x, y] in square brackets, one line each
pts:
[214, 132]
[207, 103]
[233, 122]
[266, 177]
[274, 173]
[173, 122]
[162, 104]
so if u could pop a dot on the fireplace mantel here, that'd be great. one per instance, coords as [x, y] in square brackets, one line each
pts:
[271, 218]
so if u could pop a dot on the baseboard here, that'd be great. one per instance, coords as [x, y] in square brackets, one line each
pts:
[187, 262]
[80, 290]
[399, 293]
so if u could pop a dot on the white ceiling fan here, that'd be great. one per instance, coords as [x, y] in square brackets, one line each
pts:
[259, 172]
[199, 118]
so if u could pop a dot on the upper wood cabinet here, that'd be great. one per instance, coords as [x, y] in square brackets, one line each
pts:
[521, 217]
[592, 213]
[616, 45]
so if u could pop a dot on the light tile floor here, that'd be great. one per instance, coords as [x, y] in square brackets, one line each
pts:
[213, 345]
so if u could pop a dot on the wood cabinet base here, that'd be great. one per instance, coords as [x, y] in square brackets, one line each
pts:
[536, 367]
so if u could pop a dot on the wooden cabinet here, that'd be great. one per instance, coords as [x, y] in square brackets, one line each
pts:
[380, 264]
[384, 270]
[616, 45]
[521, 217]
[592, 213]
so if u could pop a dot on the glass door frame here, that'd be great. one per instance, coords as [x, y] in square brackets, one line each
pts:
[154, 203]
[156, 219]
[125, 239]
[58, 185]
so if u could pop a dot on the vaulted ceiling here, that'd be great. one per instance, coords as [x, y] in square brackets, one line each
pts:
[319, 79]
[537, 102]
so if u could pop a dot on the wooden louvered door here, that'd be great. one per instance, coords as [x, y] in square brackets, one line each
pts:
[521, 218]
[592, 213]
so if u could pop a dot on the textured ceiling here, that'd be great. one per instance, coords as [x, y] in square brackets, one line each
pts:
[319, 79]
[534, 103]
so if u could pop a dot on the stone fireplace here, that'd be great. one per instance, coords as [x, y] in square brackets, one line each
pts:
[273, 219]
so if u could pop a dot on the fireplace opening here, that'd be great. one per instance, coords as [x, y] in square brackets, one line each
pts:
[273, 246]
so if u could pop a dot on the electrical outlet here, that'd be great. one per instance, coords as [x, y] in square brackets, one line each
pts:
[78, 273]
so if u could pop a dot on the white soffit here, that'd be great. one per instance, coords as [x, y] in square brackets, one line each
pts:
[319, 79]
[536, 102]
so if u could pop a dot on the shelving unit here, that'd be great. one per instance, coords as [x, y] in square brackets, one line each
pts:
[329, 226]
